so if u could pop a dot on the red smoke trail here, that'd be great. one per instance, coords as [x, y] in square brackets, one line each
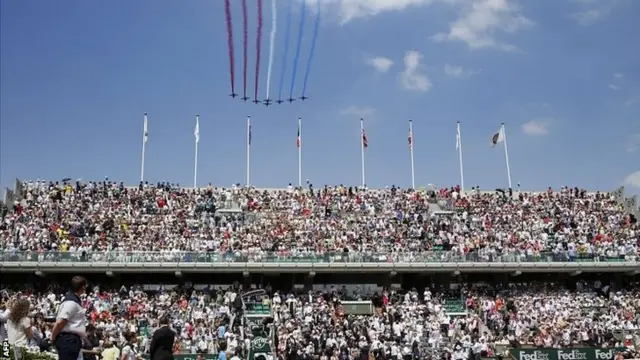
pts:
[232, 71]
[258, 45]
[245, 24]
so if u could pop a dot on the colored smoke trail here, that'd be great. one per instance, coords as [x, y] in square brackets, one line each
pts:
[303, 10]
[272, 42]
[232, 71]
[245, 29]
[285, 53]
[258, 45]
[312, 50]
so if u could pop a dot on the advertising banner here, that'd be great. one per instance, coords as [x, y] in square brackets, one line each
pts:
[566, 354]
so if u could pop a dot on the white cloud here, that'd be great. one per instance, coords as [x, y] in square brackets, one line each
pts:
[588, 17]
[616, 81]
[633, 145]
[456, 71]
[536, 127]
[380, 63]
[355, 9]
[413, 78]
[631, 101]
[479, 22]
[453, 70]
[359, 111]
[633, 179]
[593, 11]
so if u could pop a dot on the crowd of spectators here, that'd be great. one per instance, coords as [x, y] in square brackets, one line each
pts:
[545, 315]
[109, 221]
[100, 221]
[307, 325]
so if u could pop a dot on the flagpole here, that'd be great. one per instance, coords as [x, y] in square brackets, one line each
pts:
[506, 154]
[144, 147]
[364, 183]
[459, 142]
[413, 172]
[195, 168]
[248, 149]
[299, 152]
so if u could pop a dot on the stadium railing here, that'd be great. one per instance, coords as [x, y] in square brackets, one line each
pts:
[326, 257]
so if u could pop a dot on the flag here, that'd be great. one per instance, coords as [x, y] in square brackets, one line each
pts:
[298, 137]
[18, 190]
[145, 136]
[249, 134]
[498, 137]
[458, 138]
[365, 142]
[196, 132]
[631, 204]
[618, 193]
[9, 198]
[410, 139]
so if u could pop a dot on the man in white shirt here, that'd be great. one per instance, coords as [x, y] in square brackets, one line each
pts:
[70, 327]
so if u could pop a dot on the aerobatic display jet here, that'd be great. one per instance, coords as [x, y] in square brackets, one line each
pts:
[245, 98]
[267, 102]
[233, 95]
[290, 100]
[256, 101]
[303, 98]
[279, 101]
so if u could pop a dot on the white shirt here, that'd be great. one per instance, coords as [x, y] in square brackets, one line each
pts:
[75, 316]
[16, 332]
[128, 353]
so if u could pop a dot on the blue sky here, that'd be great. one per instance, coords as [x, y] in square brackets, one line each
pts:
[77, 76]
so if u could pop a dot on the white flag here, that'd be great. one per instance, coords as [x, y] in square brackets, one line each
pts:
[498, 137]
[145, 136]
[196, 132]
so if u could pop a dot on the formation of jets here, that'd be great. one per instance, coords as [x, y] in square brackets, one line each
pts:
[268, 102]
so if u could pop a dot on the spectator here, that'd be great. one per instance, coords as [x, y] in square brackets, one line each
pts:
[237, 354]
[91, 344]
[110, 352]
[4, 314]
[222, 355]
[18, 323]
[129, 350]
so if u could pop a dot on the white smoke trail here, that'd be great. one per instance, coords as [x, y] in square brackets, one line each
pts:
[272, 41]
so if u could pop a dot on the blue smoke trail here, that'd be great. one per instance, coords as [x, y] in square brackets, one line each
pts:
[303, 10]
[285, 53]
[313, 47]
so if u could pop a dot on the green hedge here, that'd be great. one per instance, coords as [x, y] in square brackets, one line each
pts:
[28, 355]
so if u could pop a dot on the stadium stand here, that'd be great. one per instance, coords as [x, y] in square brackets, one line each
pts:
[337, 272]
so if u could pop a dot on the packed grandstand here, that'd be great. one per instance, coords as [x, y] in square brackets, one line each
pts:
[489, 291]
